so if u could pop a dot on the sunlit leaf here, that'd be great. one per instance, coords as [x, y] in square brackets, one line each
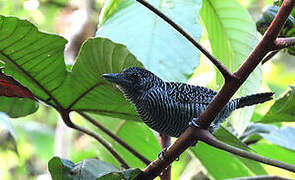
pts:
[17, 107]
[232, 34]
[160, 48]
[88, 169]
[274, 152]
[284, 136]
[220, 164]
[227, 137]
[36, 60]
[282, 110]
[136, 134]
[213, 159]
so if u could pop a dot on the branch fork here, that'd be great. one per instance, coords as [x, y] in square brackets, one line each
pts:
[232, 83]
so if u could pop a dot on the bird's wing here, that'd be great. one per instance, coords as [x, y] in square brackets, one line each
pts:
[186, 93]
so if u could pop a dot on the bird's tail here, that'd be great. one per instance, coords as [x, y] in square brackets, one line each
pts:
[254, 99]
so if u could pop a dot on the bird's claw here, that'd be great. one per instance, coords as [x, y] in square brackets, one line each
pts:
[161, 155]
[193, 123]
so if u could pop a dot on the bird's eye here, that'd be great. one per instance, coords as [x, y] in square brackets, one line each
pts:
[135, 76]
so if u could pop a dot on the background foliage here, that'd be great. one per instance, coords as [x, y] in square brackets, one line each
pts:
[29, 142]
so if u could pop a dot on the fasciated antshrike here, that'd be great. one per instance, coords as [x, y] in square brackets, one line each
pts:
[168, 107]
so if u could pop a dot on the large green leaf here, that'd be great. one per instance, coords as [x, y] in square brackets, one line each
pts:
[17, 107]
[161, 49]
[284, 136]
[227, 137]
[232, 35]
[36, 60]
[87, 169]
[137, 135]
[220, 164]
[282, 110]
[214, 159]
[275, 152]
[218, 157]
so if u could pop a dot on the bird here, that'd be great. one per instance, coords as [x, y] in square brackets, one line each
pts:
[169, 107]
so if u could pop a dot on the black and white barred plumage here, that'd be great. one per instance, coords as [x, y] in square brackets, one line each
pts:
[168, 107]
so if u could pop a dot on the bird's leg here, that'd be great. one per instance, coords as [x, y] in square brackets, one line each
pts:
[193, 123]
[161, 155]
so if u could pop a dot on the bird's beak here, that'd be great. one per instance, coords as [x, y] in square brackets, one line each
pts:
[114, 78]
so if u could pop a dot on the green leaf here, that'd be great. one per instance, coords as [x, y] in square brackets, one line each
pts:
[232, 35]
[87, 169]
[220, 164]
[136, 134]
[161, 49]
[32, 55]
[227, 137]
[284, 136]
[36, 60]
[141, 138]
[275, 152]
[17, 107]
[88, 91]
[254, 166]
[213, 159]
[108, 10]
[127, 174]
[282, 110]
[60, 168]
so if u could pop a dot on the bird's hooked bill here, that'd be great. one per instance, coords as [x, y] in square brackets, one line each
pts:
[110, 76]
[114, 78]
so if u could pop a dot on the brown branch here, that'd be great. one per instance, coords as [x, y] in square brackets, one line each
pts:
[281, 43]
[165, 142]
[224, 95]
[116, 138]
[223, 70]
[66, 118]
[269, 56]
[208, 138]
[261, 178]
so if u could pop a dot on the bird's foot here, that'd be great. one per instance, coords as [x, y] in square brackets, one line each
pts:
[193, 123]
[161, 155]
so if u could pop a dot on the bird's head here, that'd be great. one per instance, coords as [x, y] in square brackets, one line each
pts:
[134, 80]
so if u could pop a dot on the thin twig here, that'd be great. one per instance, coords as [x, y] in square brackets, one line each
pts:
[224, 95]
[261, 178]
[165, 142]
[211, 140]
[224, 71]
[281, 43]
[269, 56]
[116, 138]
[66, 118]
